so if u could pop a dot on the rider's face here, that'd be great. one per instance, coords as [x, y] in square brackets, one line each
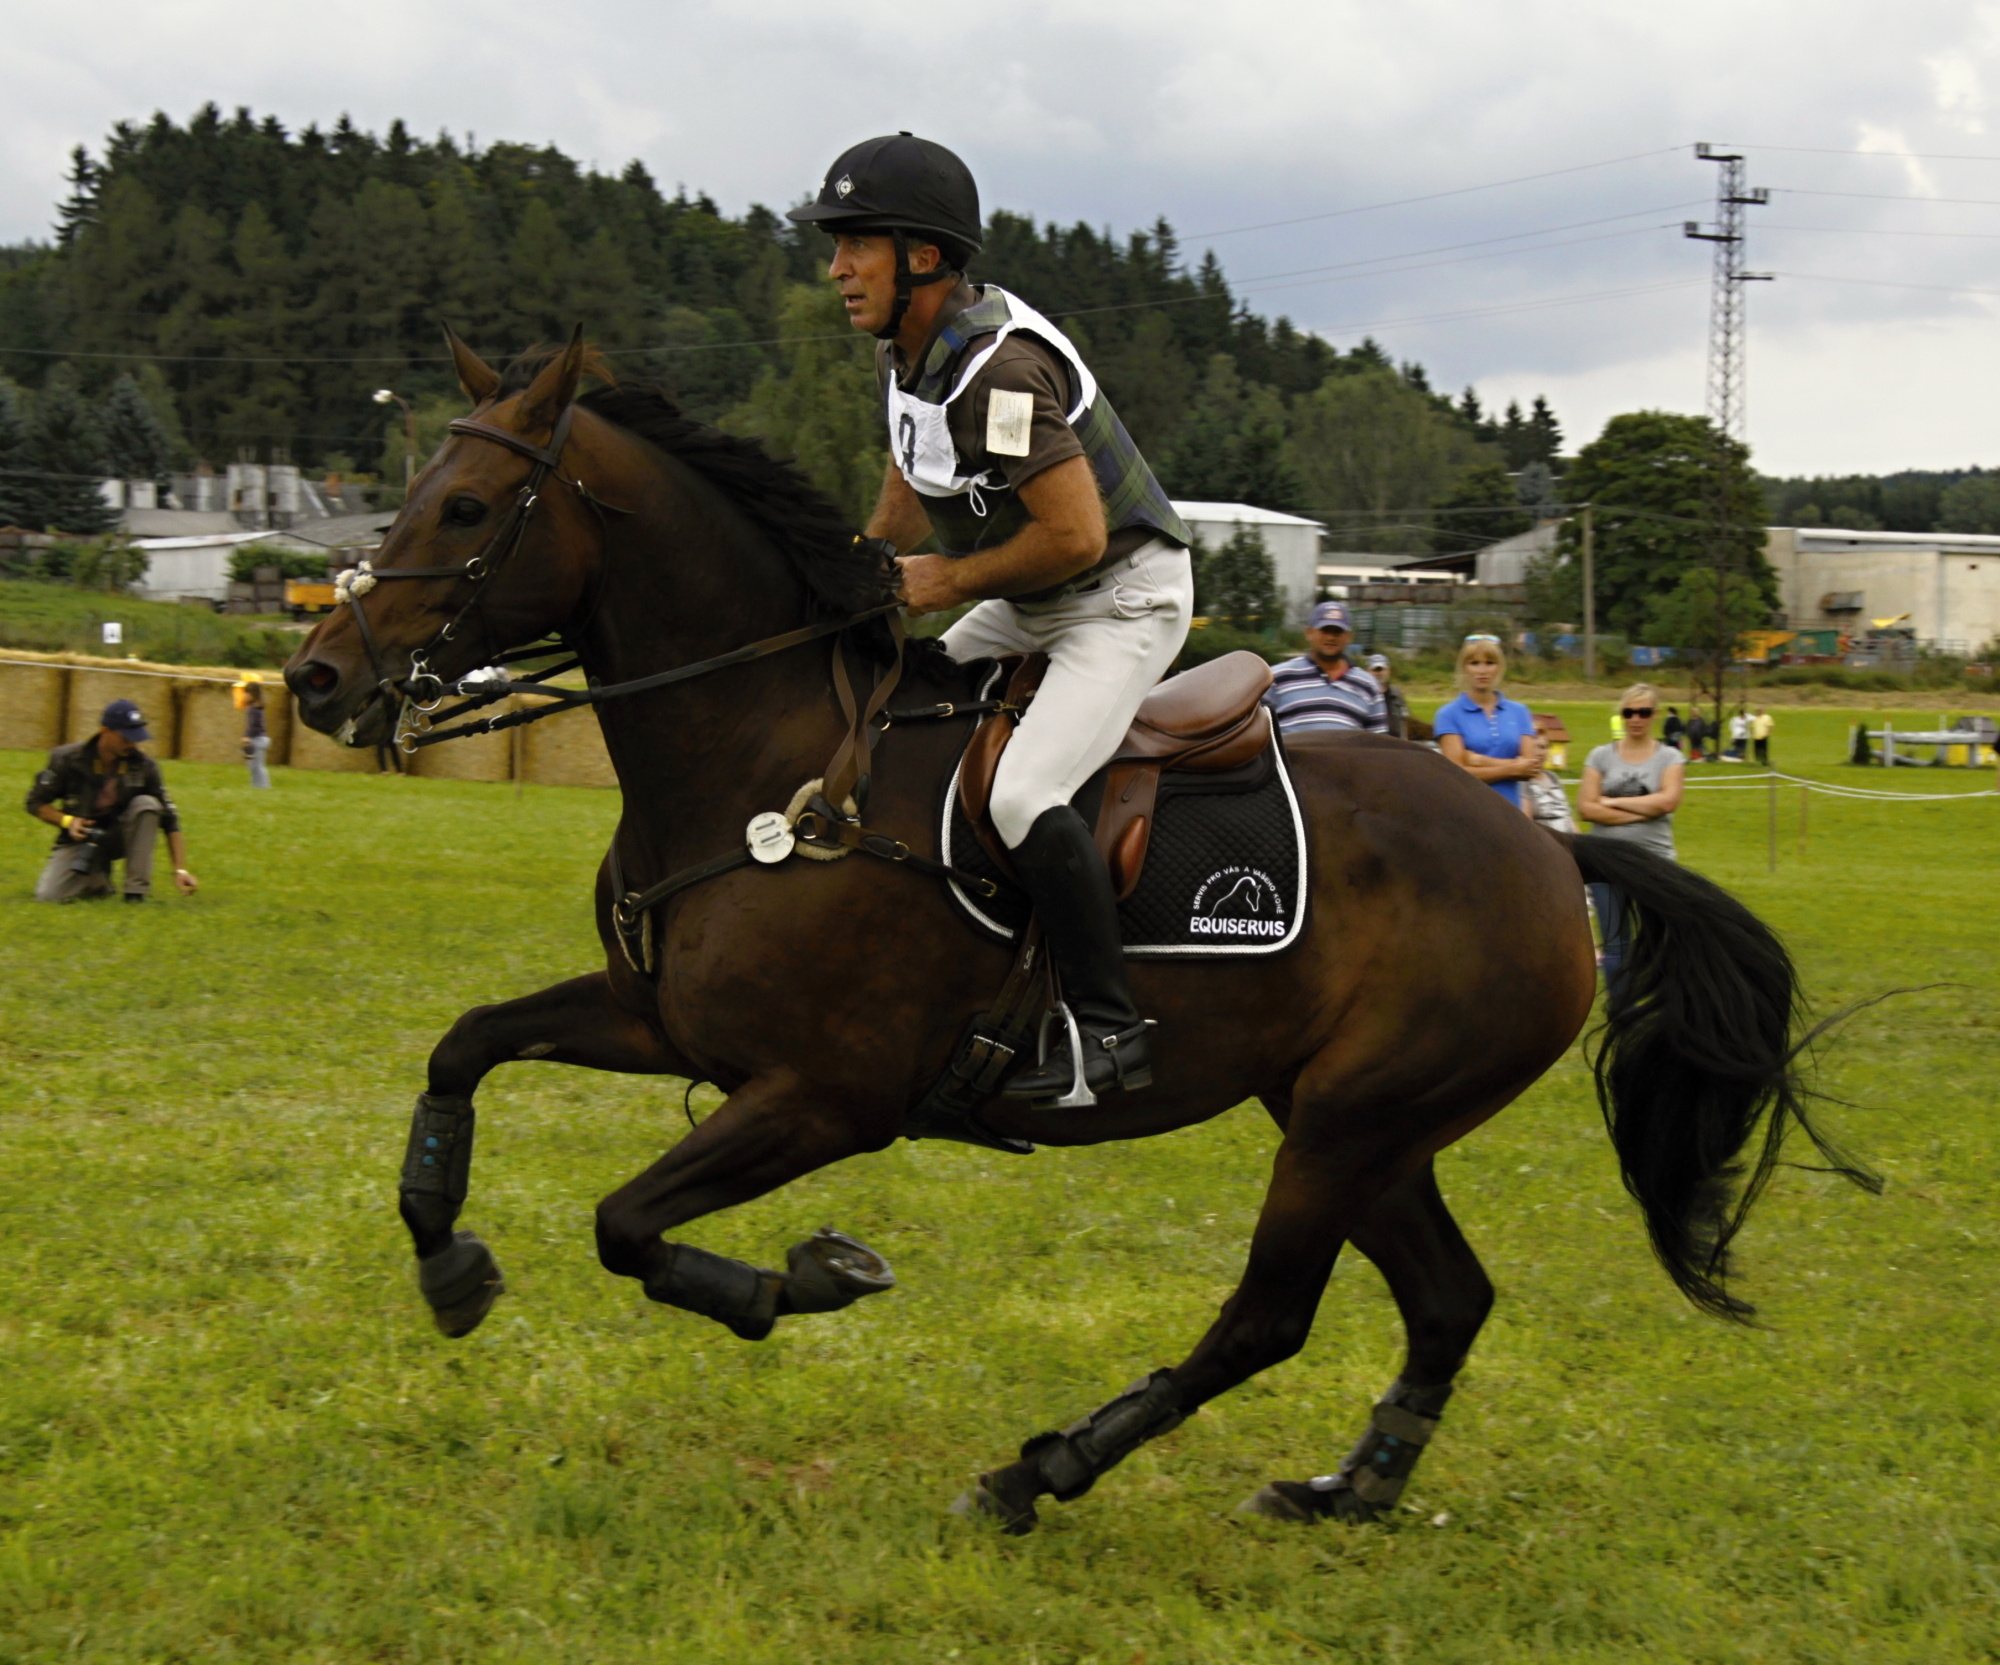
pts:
[863, 269]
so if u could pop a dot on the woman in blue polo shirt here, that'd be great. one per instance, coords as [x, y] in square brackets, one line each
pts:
[1483, 731]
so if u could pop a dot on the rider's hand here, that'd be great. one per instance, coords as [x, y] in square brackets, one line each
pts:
[78, 829]
[185, 882]
[929, 584]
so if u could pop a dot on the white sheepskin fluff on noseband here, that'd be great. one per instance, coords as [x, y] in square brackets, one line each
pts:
[353, 582]
[796, 808]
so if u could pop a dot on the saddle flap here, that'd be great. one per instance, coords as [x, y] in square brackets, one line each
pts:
[1020, 677]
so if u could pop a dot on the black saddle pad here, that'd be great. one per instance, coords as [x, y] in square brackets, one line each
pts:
[1225, 874]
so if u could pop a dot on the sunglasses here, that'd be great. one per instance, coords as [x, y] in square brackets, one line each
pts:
[1482, 637]
[1632, 711]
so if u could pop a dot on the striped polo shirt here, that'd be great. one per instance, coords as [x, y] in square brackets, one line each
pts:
[1304, 697]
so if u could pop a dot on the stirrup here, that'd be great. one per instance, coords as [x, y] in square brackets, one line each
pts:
[1079, 1096]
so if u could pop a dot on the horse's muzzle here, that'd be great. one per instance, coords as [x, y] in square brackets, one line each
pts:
[328, 700]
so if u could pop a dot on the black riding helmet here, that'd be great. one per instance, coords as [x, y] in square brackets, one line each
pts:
[902, 186]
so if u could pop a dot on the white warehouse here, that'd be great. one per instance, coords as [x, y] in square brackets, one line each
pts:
[1293, 542]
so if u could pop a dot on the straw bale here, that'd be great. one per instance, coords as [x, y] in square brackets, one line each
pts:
[476, 757]
[566, 751]
[312, 750]
[91, 690]
[33, 701]
[211, 726]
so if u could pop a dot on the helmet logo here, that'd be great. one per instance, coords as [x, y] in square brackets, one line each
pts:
[845, 186]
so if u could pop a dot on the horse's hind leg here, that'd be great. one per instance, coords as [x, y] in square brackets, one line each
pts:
[577, 1022]
[1318, 1189]
[1444, 1296]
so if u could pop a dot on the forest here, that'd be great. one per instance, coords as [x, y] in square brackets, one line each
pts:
[226, 288]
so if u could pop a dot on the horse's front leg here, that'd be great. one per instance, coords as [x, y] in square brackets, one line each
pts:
[770, 1131]
[577, 1022]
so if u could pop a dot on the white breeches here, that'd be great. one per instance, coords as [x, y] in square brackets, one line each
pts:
[1107, 648]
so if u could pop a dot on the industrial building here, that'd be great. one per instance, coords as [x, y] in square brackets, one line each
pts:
[1943, 585]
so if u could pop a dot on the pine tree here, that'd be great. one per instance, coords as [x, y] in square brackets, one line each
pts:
[136, 445]
[17, 504]
[65, 459]
[1238, 584]
[1545, 432]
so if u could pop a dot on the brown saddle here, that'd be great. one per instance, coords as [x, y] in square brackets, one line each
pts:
[1205, 721]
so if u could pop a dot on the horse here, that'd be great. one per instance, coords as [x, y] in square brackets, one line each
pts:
[1445, 965]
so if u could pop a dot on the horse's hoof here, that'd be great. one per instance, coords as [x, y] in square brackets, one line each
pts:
[830, 1270]
[983, 1502]
[1304, 1503]
[461, 1282]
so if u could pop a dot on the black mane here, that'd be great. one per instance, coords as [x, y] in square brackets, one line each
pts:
[841, 575]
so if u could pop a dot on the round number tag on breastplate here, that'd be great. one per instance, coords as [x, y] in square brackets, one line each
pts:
[769, 836]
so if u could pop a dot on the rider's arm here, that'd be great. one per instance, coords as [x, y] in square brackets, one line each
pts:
[1067, 536]
[899, 512]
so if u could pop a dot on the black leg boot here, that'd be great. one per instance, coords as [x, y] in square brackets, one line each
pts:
[1059, 864]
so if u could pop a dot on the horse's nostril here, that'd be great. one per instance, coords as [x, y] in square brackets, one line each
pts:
[319, 678]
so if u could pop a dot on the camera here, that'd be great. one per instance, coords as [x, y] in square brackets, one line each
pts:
[87, 847]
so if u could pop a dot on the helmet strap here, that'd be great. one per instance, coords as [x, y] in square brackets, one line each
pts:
[906, 282]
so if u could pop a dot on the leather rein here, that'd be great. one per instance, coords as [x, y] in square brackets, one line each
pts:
[822, 824]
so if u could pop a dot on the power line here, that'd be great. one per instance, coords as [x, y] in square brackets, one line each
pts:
[1877, 231]
[1887, 196]
[1431, 196]
[1884, 283]
[1887, 155]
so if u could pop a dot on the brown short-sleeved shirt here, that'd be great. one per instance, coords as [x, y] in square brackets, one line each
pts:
[1021, 364]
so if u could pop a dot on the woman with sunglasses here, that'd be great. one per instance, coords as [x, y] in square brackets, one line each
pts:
[1630, 789]
[1484, 732]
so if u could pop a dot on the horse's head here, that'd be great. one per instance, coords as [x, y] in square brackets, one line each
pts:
[496, 546]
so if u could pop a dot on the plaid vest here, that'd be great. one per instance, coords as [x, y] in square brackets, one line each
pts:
[988, 511]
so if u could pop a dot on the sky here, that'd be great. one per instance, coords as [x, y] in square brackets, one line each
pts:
[1552, 141]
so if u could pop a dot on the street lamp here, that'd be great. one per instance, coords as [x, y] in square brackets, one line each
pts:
[388, 396]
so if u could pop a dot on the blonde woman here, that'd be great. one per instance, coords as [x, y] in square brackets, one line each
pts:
[1484, 732]
[1630, 790]
[248, 697]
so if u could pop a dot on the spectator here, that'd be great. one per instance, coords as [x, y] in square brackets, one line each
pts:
[1760, 736]
[249, 697]
[1739, 734]
[1320, 689]
[1543, 797]
[107, 799]
[1630, 790]
[1696, 733]
[1483, 731]
[1673, 730]
[1395, 707]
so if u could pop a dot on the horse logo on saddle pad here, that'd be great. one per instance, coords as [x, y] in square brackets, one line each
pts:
[1238, 902]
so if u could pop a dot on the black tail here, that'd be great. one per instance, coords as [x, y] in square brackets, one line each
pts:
[1697, 1045]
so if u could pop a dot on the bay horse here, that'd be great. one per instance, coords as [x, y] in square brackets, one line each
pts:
[1445, 966]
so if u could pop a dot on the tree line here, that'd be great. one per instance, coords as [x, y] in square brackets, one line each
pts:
[251, 287]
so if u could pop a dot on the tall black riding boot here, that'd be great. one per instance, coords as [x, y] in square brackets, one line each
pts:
[1059, 864]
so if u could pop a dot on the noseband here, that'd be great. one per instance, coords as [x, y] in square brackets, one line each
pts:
[355, 583]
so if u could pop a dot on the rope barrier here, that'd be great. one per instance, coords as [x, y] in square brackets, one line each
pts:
[1833, 789]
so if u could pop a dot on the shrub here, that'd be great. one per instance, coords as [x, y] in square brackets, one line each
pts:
[291, 563]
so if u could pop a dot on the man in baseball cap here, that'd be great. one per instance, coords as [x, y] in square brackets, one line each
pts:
[108, 802]
[1321, 689]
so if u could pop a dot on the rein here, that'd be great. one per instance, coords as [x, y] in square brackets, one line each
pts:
[821, 824]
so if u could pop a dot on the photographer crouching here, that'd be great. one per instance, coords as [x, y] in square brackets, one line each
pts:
[107, 799]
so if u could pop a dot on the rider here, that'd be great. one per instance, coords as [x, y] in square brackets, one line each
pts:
[1003, 447]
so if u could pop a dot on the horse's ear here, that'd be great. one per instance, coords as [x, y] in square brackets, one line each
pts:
[549, 394]
[479, 379]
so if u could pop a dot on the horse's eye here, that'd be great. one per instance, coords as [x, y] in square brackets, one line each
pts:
[464, 511]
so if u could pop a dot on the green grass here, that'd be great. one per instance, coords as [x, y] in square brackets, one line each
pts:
[56, 618]
[227, 1432]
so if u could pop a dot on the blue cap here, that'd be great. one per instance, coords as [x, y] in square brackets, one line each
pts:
[1331, 615]
[127, 719]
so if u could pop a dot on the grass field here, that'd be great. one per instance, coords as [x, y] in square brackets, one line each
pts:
[228, 1433]
[55, 618]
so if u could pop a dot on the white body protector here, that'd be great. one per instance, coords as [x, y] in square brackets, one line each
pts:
[920, 432]
[1107, 645]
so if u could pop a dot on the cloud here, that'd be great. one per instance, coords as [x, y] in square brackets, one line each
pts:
[1115, 111]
